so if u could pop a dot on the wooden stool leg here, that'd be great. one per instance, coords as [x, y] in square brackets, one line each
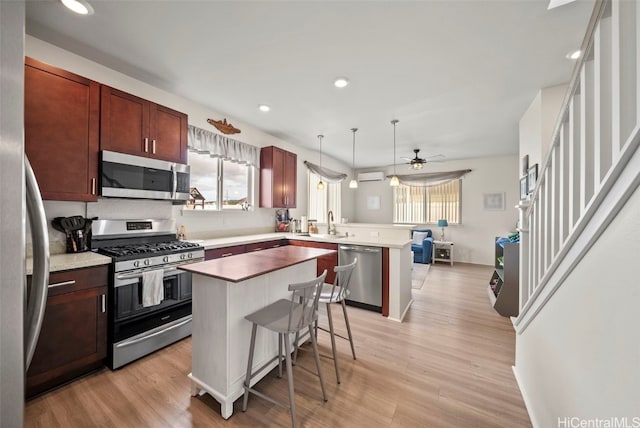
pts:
[247, 379]
[333, 342]
[292, 402]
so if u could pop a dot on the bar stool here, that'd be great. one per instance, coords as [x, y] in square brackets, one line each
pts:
[286, 317]
[336, 293]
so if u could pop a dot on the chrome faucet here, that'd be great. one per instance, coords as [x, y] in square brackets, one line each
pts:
[329, 220]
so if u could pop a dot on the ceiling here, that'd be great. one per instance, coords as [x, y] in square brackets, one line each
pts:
[457, 74]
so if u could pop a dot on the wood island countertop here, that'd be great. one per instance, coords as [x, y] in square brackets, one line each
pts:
[249, 265]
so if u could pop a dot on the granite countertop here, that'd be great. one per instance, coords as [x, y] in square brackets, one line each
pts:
[337, 239]
[58, 262]
[249, 265]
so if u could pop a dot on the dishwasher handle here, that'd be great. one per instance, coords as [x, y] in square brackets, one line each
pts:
[374, 250]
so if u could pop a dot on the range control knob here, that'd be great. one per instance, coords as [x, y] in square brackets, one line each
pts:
[189, 255]
[165, 259]
[136, 263]
[146, 262]
[182, 256]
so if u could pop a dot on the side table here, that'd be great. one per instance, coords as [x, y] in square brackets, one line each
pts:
[442, 252]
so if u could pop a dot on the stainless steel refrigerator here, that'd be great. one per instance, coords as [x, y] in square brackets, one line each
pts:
[20, 202]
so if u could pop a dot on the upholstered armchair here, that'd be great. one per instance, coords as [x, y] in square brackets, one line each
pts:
[422, 246]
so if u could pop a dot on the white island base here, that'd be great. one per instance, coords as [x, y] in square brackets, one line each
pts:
[220, 334]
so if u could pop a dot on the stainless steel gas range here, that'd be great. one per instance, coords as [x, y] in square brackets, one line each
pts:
[145, 255]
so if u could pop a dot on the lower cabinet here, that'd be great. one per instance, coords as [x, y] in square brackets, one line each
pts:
[324, 262]
[73, 338]
[216, 253]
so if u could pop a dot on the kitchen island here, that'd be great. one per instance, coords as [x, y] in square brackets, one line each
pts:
[225, 291]
[396, 263]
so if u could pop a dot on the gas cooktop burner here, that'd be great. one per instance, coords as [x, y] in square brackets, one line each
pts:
[154, 248]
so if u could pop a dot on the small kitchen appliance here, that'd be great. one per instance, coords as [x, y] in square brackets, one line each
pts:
[282, 220]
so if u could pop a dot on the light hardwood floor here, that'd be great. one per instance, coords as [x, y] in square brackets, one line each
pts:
[447, 365]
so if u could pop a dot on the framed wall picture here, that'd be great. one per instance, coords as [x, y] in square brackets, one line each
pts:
[524, 164]
[524, 189]
[493, 201]
[532, 177]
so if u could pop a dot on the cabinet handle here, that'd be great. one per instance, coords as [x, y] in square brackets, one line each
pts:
[257, 249]
[146, 145]
[104, 303]
[227, 254]
[61, 284]
[93, 186]
[153, 146]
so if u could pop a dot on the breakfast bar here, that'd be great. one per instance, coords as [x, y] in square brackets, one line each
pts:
[225, 291]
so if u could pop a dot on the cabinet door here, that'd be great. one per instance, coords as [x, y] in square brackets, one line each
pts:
[124, 123]
[168, 133]
[61, 119]
[216, 253]
[73, 338]
[290, 179]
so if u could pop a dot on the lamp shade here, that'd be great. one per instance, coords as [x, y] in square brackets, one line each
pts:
[442, 223]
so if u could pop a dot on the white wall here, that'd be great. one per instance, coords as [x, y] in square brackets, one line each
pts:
[581, 355]
[474, 238]
[538, 123]
[211, 223]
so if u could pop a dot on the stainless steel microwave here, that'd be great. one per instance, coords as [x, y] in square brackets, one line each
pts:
[128, 176]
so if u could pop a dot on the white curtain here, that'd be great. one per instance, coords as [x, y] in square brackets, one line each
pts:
[431, 178]
[219, 146]
[327, 174]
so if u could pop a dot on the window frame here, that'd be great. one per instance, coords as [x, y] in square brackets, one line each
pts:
[219, 177]
[312, 179]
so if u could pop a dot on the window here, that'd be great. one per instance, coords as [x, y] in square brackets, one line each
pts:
[420, 204]
[223, 184]
[323, 201]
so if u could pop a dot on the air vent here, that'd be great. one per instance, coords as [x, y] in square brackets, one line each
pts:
[371, 176]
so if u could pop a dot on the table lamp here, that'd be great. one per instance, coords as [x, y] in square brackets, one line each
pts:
[442, 223]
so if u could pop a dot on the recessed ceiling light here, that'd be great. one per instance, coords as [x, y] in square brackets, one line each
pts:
[263, 107]
[574, 54]
[80, 7]
[341, 82]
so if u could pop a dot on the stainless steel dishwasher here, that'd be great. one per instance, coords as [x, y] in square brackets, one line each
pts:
[366, 281]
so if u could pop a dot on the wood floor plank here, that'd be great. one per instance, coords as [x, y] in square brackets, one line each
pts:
[447, 365]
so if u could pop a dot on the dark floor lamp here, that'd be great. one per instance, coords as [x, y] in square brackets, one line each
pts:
[442, 223]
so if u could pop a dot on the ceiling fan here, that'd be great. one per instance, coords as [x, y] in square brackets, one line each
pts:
[418, 162]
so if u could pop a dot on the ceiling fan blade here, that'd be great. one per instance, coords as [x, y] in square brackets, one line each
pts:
[438, 156]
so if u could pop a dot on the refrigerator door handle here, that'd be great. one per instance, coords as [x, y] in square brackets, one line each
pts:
[40, 279]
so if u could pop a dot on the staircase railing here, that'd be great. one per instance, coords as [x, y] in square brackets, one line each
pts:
[592, 166]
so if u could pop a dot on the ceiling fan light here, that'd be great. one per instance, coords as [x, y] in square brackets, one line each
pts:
[417, 165]
[353, 184]
[395, 182]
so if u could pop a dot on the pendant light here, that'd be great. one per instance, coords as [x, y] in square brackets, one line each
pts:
[394, 180]
[320, 185]
[353, 184]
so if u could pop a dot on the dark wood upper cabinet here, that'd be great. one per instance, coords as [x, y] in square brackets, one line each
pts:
[61, 131]
[133, 125]
[278, 178]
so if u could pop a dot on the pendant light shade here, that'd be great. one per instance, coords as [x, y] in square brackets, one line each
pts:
[353, 184]
[320, 185]
[394, 180]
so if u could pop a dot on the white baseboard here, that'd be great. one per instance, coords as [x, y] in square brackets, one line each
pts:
[525, 398]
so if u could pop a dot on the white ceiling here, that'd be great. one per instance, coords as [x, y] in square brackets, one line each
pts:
[457, 74]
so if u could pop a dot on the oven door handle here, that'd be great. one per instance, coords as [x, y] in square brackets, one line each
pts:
[167, 272]
[157, 333]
